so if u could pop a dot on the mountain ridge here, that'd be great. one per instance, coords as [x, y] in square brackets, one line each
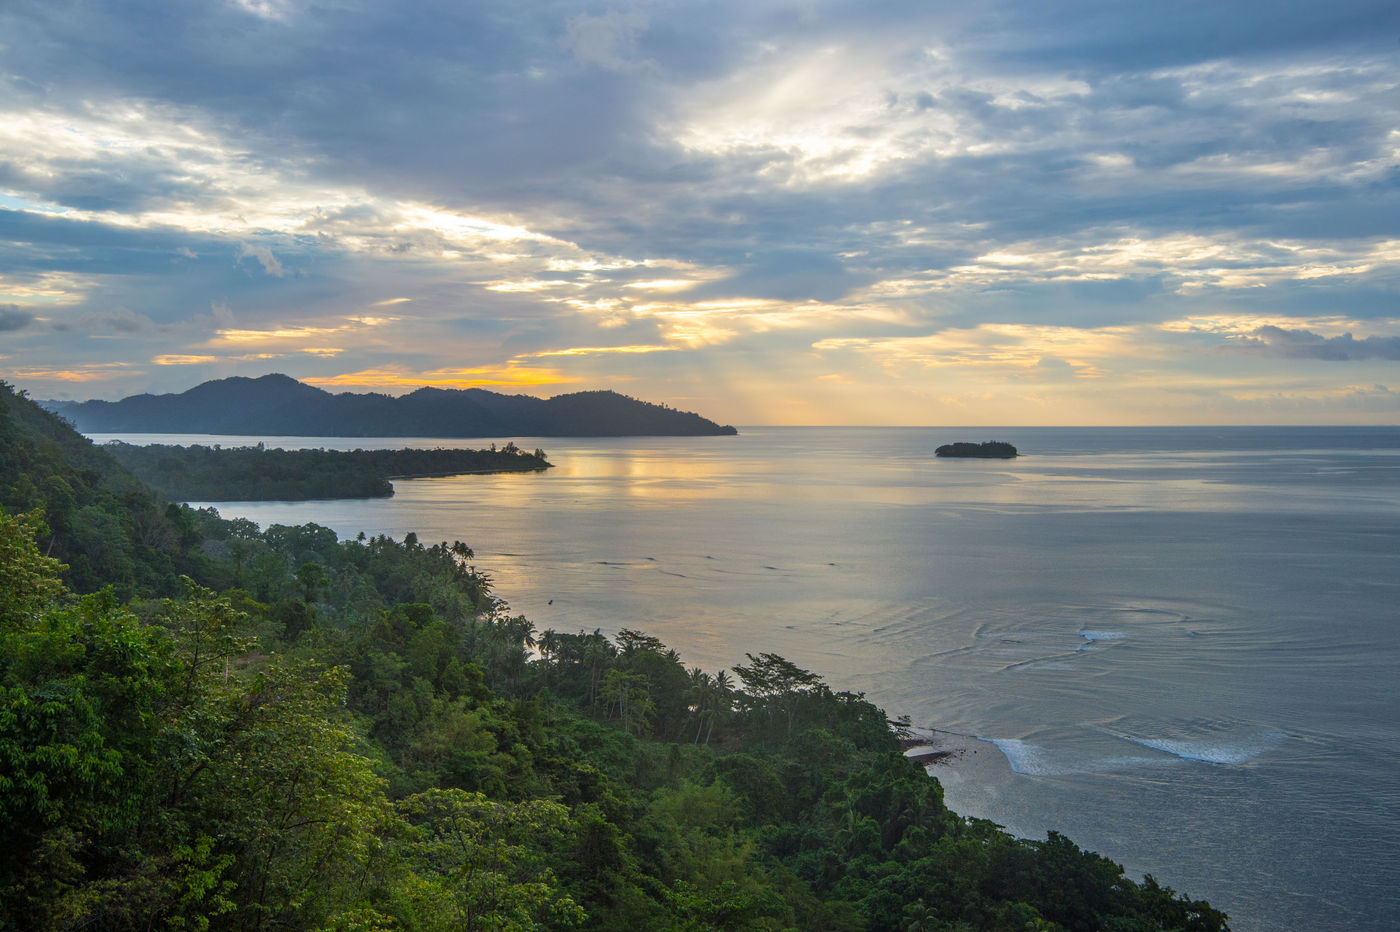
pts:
[279, 405]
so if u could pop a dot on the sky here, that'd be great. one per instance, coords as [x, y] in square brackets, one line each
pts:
[922, 213]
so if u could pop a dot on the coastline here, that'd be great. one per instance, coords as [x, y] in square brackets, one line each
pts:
[910, 617]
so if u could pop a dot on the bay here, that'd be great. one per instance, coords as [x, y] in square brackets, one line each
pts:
[1178, 646]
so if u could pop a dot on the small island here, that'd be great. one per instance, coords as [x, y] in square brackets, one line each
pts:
[225, 474]
[991, 449]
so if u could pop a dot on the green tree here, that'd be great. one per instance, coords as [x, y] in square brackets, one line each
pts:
[774, 683]
[481, 864]
[29, 581]
[312, 579]
[628, 695]
[86, 696]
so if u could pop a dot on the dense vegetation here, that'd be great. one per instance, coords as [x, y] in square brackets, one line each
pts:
[280, 405]
[214, 474]
[990, 449]
[103, 523]
[359, 735]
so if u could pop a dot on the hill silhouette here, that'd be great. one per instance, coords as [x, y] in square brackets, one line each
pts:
[278, 405]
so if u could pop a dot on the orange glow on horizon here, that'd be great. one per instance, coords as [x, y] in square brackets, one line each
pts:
[95, 373]
[481, 377]
[592, 350]
[175, 359]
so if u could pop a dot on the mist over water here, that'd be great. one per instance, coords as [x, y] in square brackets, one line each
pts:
[1179, 647]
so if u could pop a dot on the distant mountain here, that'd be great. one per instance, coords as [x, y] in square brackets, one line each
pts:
[278, 405]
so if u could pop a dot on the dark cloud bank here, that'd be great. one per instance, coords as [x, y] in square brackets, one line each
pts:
[1304, 344]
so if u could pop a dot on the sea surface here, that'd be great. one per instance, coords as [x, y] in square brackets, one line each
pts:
[1178, 646]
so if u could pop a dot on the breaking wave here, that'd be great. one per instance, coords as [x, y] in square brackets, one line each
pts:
[1036, 761]
[1234, 750]
[1092, 639]
[1039, 761]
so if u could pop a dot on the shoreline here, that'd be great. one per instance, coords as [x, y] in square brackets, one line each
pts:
[924, 749]
[471, 472]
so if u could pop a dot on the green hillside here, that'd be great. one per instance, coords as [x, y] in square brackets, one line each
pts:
[106, 526]
[359, 735]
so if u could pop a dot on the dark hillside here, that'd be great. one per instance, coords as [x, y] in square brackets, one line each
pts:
[227, 406]
[100, 520]
[276, 405]
[611, 414]
[464, 413]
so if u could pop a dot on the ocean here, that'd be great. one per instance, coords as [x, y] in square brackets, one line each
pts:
[1180, 647]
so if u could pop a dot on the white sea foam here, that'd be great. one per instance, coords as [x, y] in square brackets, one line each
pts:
[1092, 638]
[1230, 750]
[1036, 761]
[1025, 757]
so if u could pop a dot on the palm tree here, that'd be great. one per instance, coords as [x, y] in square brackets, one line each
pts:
[721, 701]
[597, 656]
[548, 644]
[919, 916]
[510, 639]
[522, 632]
[702, 693]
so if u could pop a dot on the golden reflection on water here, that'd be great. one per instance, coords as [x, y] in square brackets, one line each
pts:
[588, 472]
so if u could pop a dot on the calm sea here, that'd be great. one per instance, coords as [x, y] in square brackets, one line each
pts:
[1179, 647]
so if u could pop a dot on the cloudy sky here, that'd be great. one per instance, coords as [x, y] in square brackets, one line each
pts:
[1007, 212]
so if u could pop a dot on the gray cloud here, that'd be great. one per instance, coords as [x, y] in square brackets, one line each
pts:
[788, 275]
[120, 321]
[1304, 344]
[607, 40]
[504, 104]
[13, 318]
[1103, 35]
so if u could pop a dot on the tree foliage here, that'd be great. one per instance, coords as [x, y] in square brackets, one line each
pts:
[211, 474]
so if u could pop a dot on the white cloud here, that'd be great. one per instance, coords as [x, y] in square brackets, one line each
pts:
[607, 41]
[1004, 346]
[264, 257]
[275, 10]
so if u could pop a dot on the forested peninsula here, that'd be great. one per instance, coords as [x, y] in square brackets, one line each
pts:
[209, 725]
[280, 406]
[227, 474]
